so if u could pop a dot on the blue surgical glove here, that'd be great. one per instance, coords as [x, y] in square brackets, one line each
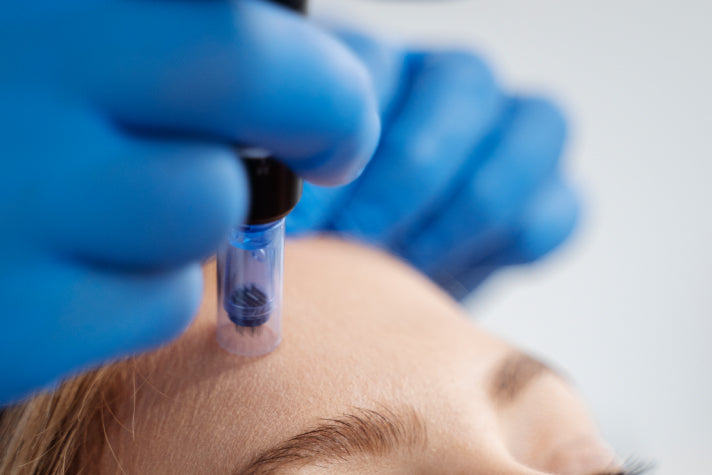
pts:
[117, 121]
[467, 178]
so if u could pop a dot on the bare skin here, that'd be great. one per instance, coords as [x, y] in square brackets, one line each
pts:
[362, 333]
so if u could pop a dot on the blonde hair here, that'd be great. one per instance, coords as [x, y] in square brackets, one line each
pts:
[63, 431]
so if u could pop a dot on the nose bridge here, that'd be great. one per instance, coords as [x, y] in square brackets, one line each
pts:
[515, 468]
[504, 464]
[491, 458]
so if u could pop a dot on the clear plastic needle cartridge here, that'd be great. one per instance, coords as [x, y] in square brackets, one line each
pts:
[250, 266]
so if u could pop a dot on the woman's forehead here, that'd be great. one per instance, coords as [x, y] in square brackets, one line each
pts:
[354, 321]
[360, 330]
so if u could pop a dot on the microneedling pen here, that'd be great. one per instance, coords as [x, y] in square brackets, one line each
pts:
[250, 265]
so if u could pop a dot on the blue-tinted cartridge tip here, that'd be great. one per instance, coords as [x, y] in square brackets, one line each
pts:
[250, 273]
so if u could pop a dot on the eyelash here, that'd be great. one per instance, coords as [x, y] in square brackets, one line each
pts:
[633, 466]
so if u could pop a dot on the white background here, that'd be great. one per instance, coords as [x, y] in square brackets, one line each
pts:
[626, 308]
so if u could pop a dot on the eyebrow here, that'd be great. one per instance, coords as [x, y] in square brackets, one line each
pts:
[513, 374]
[384, 431]
[356, 433]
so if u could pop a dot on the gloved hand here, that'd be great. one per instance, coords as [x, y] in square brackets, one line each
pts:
[466, 179]
[117, 120]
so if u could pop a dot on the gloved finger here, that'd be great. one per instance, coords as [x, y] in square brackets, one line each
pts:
[242, 72]
[388, 68]
[480, 213]
[128, 313]
[145, 203]
[543, 225]
[450, 106]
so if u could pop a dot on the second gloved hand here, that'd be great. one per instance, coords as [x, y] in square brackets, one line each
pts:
[118, 120]
[467, 178]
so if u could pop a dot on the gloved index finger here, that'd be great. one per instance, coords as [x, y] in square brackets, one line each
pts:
[244, 72]
[388, 66]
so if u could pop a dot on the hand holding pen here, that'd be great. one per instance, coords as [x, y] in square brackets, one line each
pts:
[118, 122]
